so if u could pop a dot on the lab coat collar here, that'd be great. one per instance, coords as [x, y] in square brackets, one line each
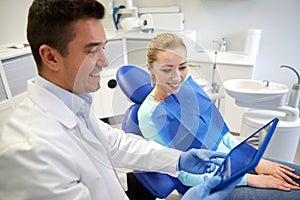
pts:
[54, 106]
[48, 102]
[73, 101]
[51, 104]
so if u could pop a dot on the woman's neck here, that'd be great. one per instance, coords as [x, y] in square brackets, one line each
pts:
[159, 94]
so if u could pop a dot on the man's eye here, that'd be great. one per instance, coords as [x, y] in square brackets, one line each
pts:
[182, 67]
[93, 51]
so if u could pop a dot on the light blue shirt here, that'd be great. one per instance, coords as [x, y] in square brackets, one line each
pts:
[150, 132]
[80, 105]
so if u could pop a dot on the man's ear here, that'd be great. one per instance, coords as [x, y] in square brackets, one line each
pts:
[49, 57]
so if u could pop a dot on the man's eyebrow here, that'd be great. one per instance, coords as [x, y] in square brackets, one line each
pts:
[94, 44]
[183, 63]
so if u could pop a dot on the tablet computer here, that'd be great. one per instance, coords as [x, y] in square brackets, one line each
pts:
[245, 156]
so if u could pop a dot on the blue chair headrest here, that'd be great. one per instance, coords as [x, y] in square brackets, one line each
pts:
[134, 82]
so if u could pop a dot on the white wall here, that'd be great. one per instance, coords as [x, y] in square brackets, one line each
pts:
[13, 17]
[213, 19]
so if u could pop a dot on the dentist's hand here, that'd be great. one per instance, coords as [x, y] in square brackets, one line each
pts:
[202, 191]
[200, 161]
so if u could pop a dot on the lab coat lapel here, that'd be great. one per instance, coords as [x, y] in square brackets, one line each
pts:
[94, 147]
[97, 150]
[98, 131]
[47, 101]
[100, 156]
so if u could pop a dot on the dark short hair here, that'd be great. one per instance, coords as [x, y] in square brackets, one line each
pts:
[51, 22]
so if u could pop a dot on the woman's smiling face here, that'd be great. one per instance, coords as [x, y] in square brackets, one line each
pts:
[170, 69]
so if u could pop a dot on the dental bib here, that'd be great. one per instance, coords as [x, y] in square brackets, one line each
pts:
[189, 119]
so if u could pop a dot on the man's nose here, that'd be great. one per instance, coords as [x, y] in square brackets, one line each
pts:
[102, 60]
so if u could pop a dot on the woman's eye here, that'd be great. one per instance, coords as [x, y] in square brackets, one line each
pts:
[166, 70]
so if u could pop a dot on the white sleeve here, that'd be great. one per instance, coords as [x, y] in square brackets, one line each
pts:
[134, 152]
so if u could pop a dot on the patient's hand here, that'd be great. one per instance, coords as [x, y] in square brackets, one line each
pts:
[269, 181]
[279, 171]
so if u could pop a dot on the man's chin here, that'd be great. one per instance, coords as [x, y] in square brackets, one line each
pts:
[96, 88]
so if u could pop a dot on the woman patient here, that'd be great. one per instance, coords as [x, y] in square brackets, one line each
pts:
[200, 124]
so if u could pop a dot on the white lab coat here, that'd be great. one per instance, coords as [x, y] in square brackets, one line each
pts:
[47, 153]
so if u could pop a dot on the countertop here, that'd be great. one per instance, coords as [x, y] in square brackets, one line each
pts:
[195, 54]
[6, 52]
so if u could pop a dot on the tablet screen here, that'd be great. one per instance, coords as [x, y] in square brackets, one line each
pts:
[245, 156]
[237, 159]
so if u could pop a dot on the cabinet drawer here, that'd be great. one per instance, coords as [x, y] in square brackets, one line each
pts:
[17, 71]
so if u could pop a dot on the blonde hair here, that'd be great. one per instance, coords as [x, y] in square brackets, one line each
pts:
[162, 42]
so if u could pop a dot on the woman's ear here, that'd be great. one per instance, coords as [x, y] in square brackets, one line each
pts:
[49, 57]
[149, 68]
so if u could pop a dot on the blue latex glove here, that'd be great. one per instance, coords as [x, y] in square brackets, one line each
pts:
[202, 191]
[200, 161]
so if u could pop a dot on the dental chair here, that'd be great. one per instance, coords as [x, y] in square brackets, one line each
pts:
[136, 84]
[187, 119]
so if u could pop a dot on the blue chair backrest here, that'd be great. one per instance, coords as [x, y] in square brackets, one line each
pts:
[136, 84]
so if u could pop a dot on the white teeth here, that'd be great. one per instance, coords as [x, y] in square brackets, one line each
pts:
[96, 71]
[97, 74]
[174, 84]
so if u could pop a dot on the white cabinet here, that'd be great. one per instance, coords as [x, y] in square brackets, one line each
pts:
[17, 71]
[16, 67]
[137, 51]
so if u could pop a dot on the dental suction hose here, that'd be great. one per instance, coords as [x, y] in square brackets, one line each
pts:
[295, 93]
